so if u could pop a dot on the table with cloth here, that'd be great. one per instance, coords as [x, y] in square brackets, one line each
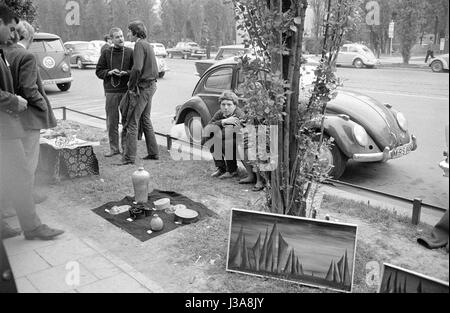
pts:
[67, 157]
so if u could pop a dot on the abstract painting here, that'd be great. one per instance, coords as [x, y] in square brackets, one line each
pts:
[399, 280]
[305, 251]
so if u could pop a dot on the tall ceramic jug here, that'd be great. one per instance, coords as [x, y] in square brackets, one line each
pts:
[140, 179]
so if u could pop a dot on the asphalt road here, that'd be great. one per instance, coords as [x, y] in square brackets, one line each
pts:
[420, 94]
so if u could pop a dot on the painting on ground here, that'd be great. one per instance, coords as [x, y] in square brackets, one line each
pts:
[305, 251]
[399, 280]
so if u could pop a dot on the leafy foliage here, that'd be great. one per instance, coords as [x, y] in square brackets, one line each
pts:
[269, 92]
[25, 9]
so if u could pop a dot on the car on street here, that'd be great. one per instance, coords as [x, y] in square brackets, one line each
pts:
[363, 129]
[53, 60]
[160, 50]
[162, 64]
[98, 44]
[187, 50]
[224, 52]
[82, 53]
[439, 63]
[356, 55]
[444, 163]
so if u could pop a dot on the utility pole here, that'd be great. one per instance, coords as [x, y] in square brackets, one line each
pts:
[446, 32]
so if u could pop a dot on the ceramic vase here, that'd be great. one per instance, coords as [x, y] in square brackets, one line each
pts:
[141, 179]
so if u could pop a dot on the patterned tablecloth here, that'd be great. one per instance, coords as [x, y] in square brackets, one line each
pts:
[76, 159]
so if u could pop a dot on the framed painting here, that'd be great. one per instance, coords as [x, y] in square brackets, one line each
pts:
[305, 251]
[399, 280]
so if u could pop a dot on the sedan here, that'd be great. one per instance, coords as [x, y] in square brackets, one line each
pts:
[356, 55]
[82, 53]
[224, 52]
[363, 129]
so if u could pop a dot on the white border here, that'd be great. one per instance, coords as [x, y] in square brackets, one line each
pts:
[297, 218]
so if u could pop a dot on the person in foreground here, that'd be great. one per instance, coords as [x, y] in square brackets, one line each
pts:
[16, 177]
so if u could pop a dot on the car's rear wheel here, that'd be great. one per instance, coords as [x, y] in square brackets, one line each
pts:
[80, 64]
[161, 74]
[194, 126]
[358, 63]
[437, 66]
[333, 160]
[64, 86]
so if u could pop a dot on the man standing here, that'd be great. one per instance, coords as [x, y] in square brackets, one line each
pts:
[107, 44]
[15, 175]
[142, 86]
[114, 68]
[28, 84]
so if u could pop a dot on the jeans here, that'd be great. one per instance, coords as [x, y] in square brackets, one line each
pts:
[130, 132]
[17, 181]
[112, 119]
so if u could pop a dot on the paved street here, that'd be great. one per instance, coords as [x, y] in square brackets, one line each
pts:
[420, 94]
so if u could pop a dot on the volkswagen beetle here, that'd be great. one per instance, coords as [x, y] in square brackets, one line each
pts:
[363, 129]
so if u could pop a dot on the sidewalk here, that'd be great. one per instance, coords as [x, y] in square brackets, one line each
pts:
[71, 264]
[416, 62]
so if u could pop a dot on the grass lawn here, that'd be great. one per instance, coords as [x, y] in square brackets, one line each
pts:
[199, 251]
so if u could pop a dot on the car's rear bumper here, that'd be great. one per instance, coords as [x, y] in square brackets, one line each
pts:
[387, 154]
[203, 55]
[57, 81]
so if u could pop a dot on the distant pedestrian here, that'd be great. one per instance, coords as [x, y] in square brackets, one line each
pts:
[430, 52]
[108, 43]
[142, 87]
[114, 68]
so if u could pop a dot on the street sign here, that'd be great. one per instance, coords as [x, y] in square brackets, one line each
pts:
[391, 29]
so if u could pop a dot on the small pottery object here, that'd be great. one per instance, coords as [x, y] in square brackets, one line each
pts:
[156, 224]
[140, 179]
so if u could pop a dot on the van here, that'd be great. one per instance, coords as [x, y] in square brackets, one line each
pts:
[53, 60]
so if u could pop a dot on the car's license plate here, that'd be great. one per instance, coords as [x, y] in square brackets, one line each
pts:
[401, 151]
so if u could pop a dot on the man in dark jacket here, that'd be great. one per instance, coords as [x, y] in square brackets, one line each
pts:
[15, 174]
[114, 68]
[28, 84]
[142, 85]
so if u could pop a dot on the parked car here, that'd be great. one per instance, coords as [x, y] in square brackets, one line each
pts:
[356, 55]
[98, 44]
[444, 164]
[187, 50]
[363, 129]
[160, 50]
[224, 52]
[53, 60]
[82, 53]
[162, 65]
[439, 63]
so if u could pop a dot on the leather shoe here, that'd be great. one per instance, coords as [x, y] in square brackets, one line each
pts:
[151, 157]
[8, 232]
[111, 154]
[38, 199]
[218, 173]
[43, 232]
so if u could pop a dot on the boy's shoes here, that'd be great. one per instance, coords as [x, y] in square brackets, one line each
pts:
[247, 181]
[43, 232]
[218, 173]
[229, 175]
